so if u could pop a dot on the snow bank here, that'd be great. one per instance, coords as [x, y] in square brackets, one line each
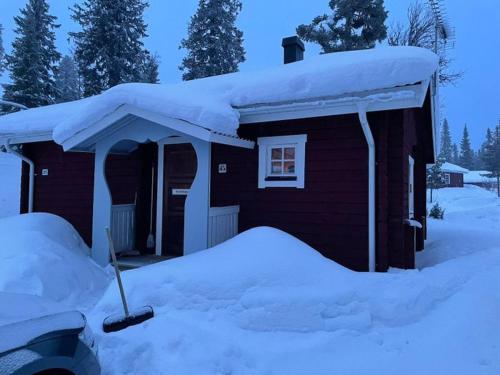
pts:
[478, 177]
[471, 224]
[265, 302]
[211, 102]
[42, 255]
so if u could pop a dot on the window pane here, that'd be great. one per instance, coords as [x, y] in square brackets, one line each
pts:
[289, 167]
[276, 153]
[290, 153]
[276, 167]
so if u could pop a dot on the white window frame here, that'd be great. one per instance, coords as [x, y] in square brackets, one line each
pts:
[265, 144]
[447, 179]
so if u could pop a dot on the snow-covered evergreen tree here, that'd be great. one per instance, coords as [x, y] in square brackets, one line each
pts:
[466, 153]
[435, 176]
[2, 51]
[33, 60]
[446, 149]
[67, 81]
[456, 155]
[109, 47]
[353, 24]
[491, 155]
[214, 44]
[150, 68]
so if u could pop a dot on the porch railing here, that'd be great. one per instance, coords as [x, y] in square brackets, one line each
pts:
[123, 226]
[222, 224]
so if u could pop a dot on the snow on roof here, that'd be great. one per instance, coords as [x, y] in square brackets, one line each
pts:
[478, 177]
[212, 102]
[453, 168]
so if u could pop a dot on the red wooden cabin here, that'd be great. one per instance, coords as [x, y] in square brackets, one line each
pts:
[345, 173]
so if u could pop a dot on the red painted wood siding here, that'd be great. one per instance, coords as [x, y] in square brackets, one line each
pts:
[331, 212]
[67, 191]
[456, 180]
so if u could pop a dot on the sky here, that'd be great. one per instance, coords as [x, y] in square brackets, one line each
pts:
[475, 100]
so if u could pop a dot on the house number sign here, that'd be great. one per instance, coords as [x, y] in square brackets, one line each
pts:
[180, 191]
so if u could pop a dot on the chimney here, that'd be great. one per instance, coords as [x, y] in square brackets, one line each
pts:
[293, 49]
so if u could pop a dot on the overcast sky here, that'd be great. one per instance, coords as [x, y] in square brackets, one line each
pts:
[475, 100]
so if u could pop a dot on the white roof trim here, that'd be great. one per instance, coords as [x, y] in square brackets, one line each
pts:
[26, 138]
[412, 96]
[181, 126]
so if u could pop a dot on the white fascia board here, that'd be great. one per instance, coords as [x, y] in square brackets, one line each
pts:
[15, 139]
[412, 96]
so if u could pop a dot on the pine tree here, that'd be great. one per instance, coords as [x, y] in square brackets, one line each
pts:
[150, 68]
[466, 153]
[354, 24]
[446, 149]
[2, 51]
[435, 176]
[491, 155]
[67, 81]
[109, 48]
[478, 160]
[34, 58]
[455, 154]
[214, 44]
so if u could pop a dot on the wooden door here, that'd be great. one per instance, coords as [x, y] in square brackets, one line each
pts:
[180, 169]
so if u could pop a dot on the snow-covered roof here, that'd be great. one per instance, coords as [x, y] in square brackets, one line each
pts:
[453, 168]
[478, 177]
[212, 103]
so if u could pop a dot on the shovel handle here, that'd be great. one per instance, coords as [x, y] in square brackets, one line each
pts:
[117, 271]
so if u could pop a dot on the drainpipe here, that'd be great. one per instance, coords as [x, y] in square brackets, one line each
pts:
[31, 173]
[362, 107]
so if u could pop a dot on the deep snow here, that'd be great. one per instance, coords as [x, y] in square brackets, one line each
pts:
[212, 102]
[266, 303]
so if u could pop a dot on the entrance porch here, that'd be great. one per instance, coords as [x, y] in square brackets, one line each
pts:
[152, 179]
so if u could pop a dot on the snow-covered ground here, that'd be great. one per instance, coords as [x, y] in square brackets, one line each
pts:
[10, 184]
[266, 303]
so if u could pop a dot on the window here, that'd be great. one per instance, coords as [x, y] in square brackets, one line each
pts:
[446, 178]
[281, 161]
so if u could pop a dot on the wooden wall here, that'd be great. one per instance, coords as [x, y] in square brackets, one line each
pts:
[67, 190]
[330, 213]
[456, 180]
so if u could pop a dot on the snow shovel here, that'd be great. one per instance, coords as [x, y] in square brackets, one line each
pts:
[118, 322]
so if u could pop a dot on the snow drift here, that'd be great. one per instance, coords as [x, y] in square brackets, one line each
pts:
[264, 302]
[42, 255]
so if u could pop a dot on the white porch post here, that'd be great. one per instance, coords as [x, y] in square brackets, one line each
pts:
[102, 207]
[159, 197]
[198, 201]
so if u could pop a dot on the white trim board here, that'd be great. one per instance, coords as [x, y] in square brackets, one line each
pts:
[380, 100]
